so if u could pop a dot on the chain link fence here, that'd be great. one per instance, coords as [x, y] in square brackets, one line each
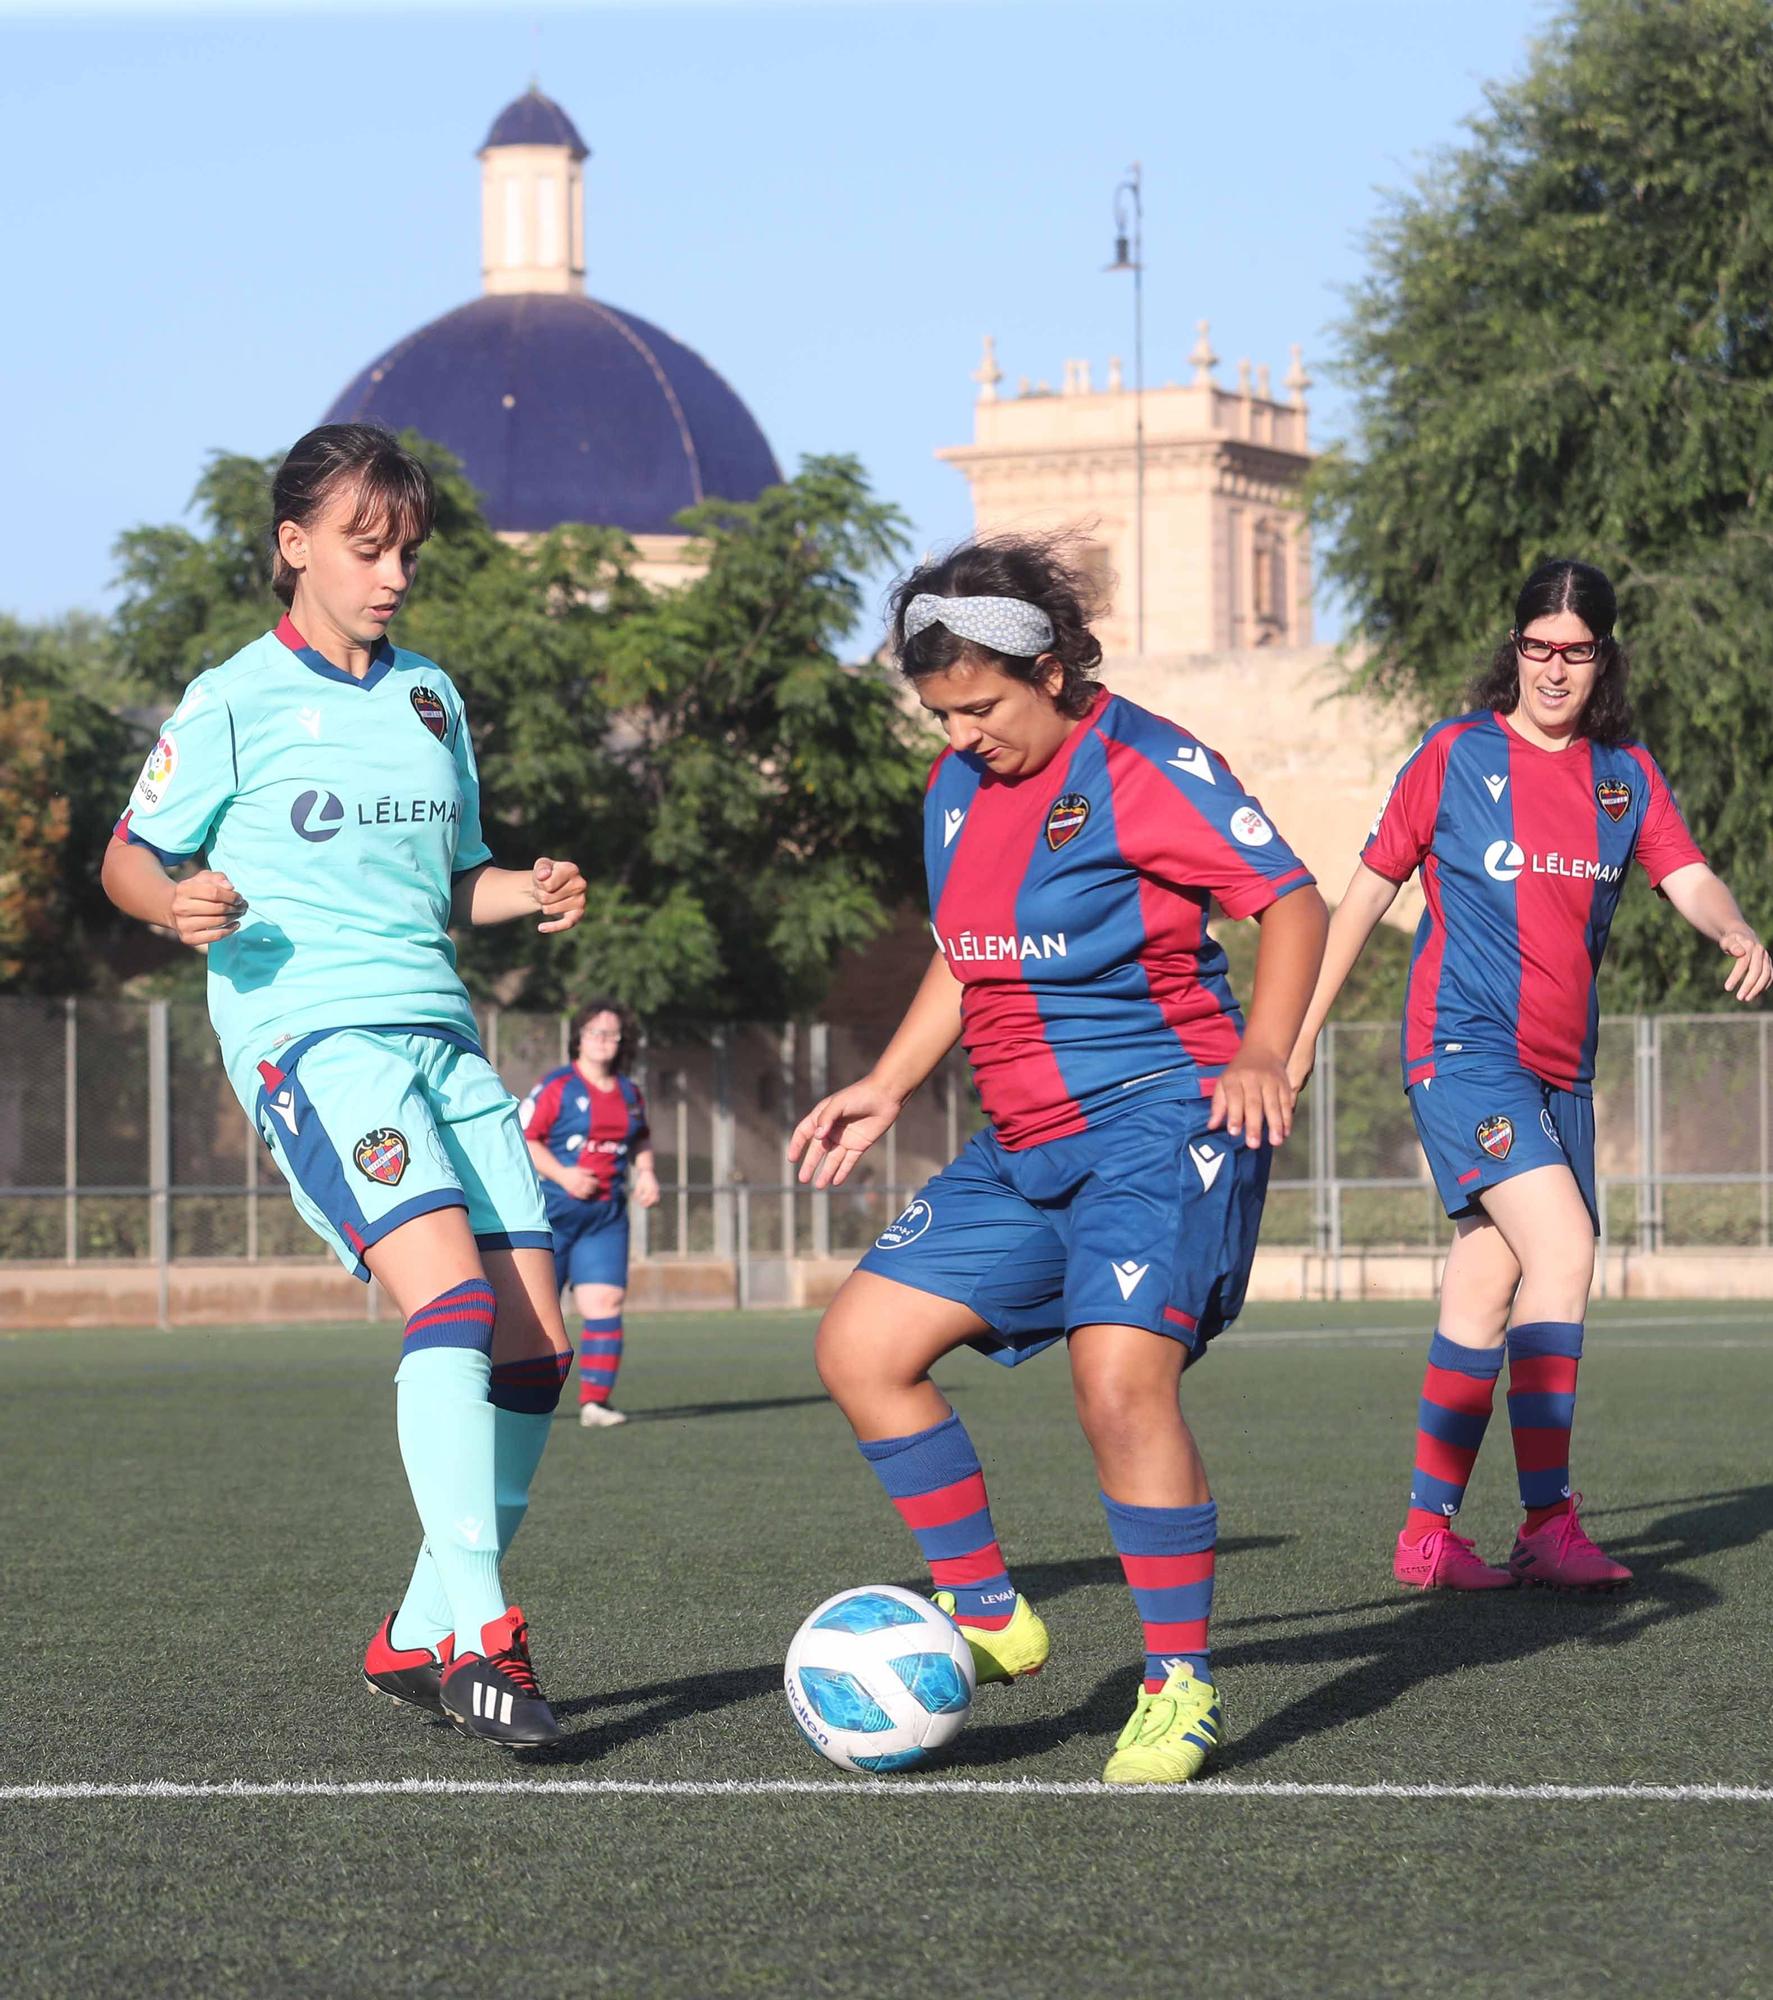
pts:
[120, 1139]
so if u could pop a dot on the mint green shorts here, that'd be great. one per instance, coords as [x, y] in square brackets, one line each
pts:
[372, 1126]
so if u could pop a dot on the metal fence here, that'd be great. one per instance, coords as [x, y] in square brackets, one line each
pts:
[120, 1139]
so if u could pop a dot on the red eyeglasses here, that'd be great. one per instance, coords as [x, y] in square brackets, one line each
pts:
[1577, 653]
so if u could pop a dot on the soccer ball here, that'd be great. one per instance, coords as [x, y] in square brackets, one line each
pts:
[878, 1678]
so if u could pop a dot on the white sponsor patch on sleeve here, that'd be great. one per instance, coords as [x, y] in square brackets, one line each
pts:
[156, 779]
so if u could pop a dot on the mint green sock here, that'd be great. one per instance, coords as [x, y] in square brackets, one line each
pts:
[519, 1439]
[446, 1429]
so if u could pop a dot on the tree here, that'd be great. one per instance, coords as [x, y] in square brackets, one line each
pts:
[1565, 346]
[743, 804]
[68, 755]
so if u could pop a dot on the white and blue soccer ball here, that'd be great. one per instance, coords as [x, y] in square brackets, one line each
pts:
[878, 1678]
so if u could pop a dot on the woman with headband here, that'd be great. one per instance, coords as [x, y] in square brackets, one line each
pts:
[1072, 843]
[1523, 818]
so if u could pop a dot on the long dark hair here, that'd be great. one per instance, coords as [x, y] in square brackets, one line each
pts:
[586, 1014]
[395, 496]
[1564, 584]
[1039, 569]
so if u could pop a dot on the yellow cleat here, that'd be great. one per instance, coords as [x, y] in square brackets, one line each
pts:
[1020, 1648]
[1172, 1734]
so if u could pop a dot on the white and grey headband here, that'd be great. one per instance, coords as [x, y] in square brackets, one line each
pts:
[1005, 624]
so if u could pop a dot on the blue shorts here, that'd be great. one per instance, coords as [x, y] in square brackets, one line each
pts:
[1482, 1125]
[590, 1241]
[1146, 1220]
[372, 1126]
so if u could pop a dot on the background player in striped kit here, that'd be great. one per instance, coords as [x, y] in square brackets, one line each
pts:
[586, 1126]
[1072, 842]
[1523, 817]
[326, 779]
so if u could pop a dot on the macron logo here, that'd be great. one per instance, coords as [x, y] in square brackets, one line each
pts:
[309, 718]
[1206, 1163]
[1193, 759]
[1127, 1276]
[284, 1106]
[952, 820]
[1495, 785]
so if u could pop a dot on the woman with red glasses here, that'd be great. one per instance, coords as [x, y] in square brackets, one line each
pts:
[1523, 817]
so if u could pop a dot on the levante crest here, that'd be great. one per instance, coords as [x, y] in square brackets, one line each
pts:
[1065, 821]
[1496, 1136]
[1615, 797]
[381, 1155]
[432, 713]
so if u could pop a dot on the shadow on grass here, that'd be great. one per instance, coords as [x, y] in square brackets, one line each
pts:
[661, 1704]
[1444, 1632]
[669, 1412]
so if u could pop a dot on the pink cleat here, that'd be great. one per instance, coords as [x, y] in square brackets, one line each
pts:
[1560, 1556]
[1443, 1560]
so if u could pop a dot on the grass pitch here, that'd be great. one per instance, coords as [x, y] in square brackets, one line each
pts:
[202, 1528]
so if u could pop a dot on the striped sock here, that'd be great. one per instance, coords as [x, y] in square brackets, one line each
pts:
[446, 1428]
[934, 1480]
[1457, 1393]
[1167, 1556]
[600, 1355]
[1542, 1358]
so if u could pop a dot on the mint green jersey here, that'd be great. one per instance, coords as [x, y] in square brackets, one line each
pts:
[341, 810]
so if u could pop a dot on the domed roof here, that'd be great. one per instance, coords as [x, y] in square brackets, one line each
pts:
[563, 409]
[535, 120]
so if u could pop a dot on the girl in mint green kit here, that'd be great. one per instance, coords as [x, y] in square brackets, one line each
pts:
[324, 781]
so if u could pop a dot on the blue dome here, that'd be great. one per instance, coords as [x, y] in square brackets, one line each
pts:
[563, 409]
[535, 120]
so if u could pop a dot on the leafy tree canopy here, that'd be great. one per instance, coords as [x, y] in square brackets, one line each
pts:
[1565, 347]
[743, 805]
[68, 755]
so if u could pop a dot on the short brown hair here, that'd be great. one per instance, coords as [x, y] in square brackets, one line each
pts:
[394, 491]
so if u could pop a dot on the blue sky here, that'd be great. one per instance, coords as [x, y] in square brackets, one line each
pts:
[225, 212]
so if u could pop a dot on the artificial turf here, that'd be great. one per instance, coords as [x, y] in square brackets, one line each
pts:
[202, 1528]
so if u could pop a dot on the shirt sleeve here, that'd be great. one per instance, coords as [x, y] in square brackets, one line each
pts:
[471, 848]
[190, 775]
[1664, 843]
[541, 1107]
[1188, 822]
[1400, 838]
[643, 1130]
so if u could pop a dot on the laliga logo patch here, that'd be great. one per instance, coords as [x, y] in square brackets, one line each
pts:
[909, 1227]
[1066, 820]
[431, 712]
[1496, 1136]
[381, 1155]
[1250, 828]
[1615, 797]
[150, 787]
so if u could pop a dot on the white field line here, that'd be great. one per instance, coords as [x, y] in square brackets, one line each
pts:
[855, 1788]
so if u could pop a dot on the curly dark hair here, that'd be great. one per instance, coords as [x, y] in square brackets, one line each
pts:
[582, 1018]
[1564, 584]
[1039, 569]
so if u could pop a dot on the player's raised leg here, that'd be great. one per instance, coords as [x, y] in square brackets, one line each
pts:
[1165, 1527]
[875, 1348]
[1550, 1229]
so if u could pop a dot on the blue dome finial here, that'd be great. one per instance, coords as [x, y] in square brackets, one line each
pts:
[535, 120]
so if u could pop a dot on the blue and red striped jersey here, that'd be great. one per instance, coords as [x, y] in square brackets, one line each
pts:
[583, 1126]
[1523, 853]
[1072, 907]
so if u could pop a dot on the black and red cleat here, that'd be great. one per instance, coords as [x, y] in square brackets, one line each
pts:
[413, 1675]
[493, 1694]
